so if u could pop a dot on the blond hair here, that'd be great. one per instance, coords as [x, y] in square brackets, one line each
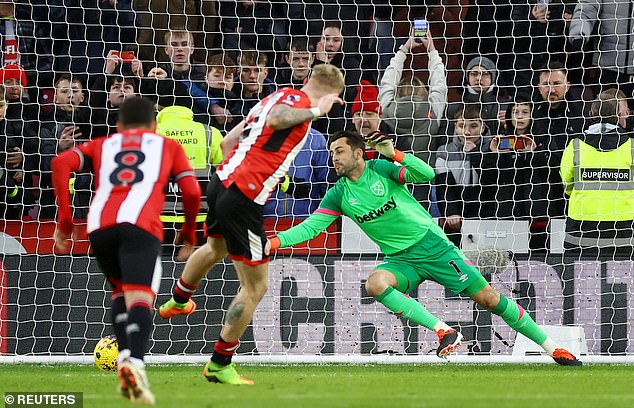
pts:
[222, 62]
[606, 106]
[167, 37]
[412, 86]
[252, 58]
[327, 76]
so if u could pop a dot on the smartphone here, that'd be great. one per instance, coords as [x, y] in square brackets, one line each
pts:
[420, 28]
[127, 56]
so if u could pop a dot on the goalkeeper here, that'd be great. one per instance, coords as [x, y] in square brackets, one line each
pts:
[373, 195]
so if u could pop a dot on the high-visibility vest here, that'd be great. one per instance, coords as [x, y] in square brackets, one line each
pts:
[603, 186]
[201, 145]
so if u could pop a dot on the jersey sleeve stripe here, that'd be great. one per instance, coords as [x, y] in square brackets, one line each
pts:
[81, 158]
[327, 211]
[401, 175]
[184, 174]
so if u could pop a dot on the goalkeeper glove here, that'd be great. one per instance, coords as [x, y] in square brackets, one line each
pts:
[272, 244]
[382, 143]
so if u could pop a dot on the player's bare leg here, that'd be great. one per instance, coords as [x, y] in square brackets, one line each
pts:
[253, 287]
[131, 368]
[382, 285]
[515, 316]
[197, 266]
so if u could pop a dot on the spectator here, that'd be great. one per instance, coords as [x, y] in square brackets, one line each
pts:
[158, 85]
[68, 99]
[596, 169]
[201, 144]
[298, 62]
[330, 50]
[21, 112]
[157, 17]
[330, 45]
[513, 162]
[408, 107]
[539, 30]
[366, 117]
[164, 83]
[21, 125]
[480, 87]
[254, 83]
[459, 170]
[179, 47]
[59, 132]
[216, 96]
[301, 190]
[556, 120]
[11, 172]
[615, 40]
[109, 93]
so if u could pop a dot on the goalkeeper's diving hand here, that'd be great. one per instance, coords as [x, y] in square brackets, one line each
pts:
[272, 244]
[382, 143]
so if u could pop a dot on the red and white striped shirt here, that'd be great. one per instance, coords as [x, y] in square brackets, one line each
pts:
[264, 155]
[131, 171]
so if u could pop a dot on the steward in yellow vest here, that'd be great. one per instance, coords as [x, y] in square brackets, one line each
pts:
[202, 147]
[598, 173]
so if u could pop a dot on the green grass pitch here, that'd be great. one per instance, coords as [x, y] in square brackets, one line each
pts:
[390, 386]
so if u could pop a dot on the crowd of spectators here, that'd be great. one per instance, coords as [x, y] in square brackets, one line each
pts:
[491, 103]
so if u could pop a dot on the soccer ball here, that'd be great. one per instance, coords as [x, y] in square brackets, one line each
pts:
[106, 353]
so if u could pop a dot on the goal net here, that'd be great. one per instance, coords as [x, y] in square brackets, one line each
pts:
[490, 95]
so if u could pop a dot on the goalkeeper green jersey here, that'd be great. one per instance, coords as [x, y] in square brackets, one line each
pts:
[379, 203]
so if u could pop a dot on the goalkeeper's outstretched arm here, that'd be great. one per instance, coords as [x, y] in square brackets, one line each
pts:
[306, 230]
[329, 210]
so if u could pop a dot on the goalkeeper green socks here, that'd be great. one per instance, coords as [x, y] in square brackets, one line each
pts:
[407, 307]
[515, 316]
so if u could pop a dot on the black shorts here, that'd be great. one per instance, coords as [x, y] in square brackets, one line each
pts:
[239, 220]
[129, 257]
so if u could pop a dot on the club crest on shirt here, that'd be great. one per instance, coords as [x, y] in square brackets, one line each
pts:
[378, 189]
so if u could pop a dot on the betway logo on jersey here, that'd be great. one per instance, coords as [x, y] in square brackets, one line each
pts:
[371, 215]
[605, 174]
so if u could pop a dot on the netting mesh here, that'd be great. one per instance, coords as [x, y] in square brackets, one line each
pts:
[491, 96]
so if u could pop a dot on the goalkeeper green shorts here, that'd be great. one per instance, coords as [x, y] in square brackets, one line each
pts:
[434, 258]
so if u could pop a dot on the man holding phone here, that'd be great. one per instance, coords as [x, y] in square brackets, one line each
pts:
[125, 62]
